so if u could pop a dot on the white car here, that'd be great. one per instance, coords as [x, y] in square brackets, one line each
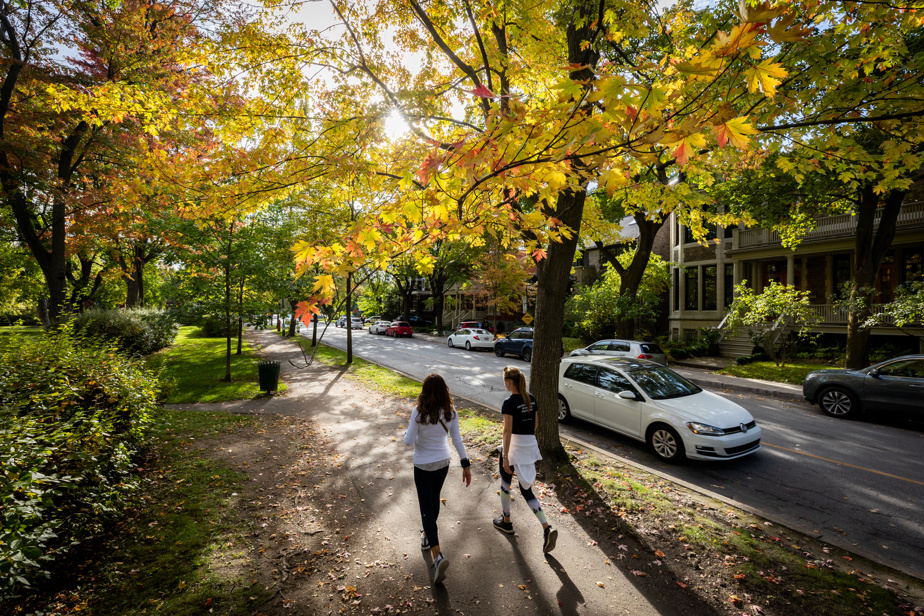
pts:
[356, 323]
[654, 404]
[378, 327]
[471, 339]
[624, 348]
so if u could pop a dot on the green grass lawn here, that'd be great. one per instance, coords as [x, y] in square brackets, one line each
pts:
[572, 344]
[768, 371]
[192, 370]
[10, 333]
[382, 379]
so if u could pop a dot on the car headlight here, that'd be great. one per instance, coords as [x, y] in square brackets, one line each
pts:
[705, 429]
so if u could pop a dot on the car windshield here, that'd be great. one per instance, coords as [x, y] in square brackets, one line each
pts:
[663, 383]
[654, 349]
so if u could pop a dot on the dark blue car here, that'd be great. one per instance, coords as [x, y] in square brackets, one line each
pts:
[519, 342]
[893, 385]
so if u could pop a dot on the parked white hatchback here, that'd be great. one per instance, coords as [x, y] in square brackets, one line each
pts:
[379, 327]
[654, 404]
[471, 339]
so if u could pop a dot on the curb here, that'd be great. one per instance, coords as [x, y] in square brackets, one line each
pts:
[751, 389]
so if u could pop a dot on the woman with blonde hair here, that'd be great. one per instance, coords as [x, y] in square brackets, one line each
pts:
[520, 454]
[432, 422]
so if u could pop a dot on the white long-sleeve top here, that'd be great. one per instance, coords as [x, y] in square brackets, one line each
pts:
[431, 441]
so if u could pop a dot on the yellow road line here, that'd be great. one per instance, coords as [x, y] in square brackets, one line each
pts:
[862, 468]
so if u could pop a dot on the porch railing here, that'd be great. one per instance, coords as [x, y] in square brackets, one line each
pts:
[830, 314]
[843, 225]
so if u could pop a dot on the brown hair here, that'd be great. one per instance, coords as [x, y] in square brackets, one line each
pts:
[519, 380]
[434, 397]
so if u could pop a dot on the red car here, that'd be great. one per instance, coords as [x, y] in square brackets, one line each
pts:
[475, 325]
[399, 328]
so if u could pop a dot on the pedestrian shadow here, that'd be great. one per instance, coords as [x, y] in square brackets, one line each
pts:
[568, 595]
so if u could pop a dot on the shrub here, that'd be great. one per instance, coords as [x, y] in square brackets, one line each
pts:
[139, 331]
[213, 326]
[73, 416]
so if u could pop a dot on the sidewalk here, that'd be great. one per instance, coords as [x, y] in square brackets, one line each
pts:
[366, 495]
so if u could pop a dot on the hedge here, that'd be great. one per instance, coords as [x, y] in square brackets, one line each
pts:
[73, 418]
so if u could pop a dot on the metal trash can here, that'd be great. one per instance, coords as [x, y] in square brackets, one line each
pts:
[269, 375]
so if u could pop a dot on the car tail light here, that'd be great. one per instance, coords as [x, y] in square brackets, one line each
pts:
[644, 356]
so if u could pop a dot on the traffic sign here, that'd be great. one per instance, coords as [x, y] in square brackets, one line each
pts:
[527, 318]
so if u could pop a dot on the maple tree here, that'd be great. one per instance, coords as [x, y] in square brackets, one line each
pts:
[547, 112]
[81, 84]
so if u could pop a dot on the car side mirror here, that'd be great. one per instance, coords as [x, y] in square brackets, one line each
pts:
[627, 395]
[874, 373]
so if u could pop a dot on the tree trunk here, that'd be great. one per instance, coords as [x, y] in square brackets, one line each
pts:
[555, 270]
[871, 245]
[349, 318]
[227, 267]
[292, 320]
[551, 292]
[240, 316]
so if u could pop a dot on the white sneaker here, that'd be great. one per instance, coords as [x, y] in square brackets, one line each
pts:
[439, 568]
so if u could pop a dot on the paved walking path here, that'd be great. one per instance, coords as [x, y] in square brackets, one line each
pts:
[590, 571]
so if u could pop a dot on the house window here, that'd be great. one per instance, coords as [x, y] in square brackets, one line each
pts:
[912, 265]
[729, 284]
[676, 288]
[691, 286]
[688, 234]
[841, 272]
[710, 290]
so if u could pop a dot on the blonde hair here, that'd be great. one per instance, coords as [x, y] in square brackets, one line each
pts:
[519, 381]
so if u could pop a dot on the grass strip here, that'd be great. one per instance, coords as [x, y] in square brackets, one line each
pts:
[368, 373]
[192, 369]
[769, 371]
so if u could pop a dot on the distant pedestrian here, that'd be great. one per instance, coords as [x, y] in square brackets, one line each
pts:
[520, 454]
[431, 424]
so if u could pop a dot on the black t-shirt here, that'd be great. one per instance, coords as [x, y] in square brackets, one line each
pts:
[524, 419]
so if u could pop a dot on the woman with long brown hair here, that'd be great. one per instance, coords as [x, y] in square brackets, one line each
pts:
[520, 454]
[431, 424]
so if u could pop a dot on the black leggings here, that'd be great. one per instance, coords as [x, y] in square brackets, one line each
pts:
[429, 484]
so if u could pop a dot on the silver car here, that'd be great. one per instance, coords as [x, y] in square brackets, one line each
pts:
[893, 385]
[632, 349]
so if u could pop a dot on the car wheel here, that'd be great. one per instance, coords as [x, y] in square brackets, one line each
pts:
[451, 345]
[564, 411]
[468, 345]
[527, 354]
[498, 350]
[839, 402]
[666, 443]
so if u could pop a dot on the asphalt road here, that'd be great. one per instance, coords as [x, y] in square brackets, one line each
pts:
[855, 484]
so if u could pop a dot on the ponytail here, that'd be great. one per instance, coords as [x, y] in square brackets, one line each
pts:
[519, 381]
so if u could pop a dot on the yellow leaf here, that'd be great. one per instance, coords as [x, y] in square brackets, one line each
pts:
[760, 13]
[555, 179]
[780, 32]
[612, 179]
[325, 284]
[765, 77]
[735, 132]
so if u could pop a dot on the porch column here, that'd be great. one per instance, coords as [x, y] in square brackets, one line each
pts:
[790, 269]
